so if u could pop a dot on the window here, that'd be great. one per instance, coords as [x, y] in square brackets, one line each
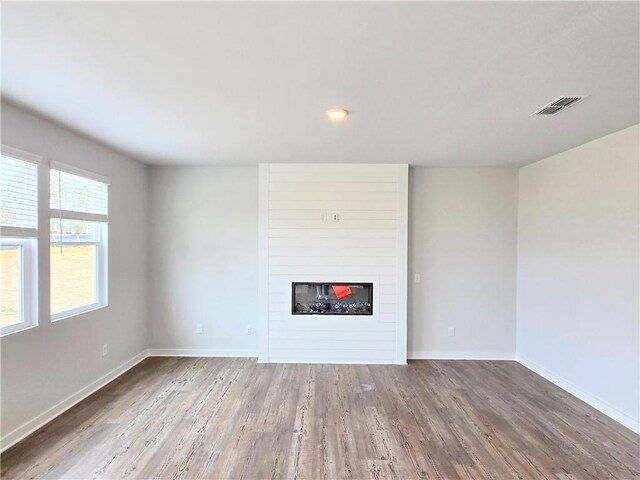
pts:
[18, 240]
[78, 236]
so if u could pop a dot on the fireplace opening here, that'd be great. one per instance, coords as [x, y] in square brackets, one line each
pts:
[338, 298]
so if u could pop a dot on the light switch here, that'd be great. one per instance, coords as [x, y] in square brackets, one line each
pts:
[416, 278]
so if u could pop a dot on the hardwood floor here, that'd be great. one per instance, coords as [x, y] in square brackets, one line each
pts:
[220, 418]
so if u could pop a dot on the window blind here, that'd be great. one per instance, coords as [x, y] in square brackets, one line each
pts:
[18, 197]
[77, 197]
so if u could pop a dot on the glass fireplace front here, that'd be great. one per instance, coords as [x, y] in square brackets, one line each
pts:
[309, 298]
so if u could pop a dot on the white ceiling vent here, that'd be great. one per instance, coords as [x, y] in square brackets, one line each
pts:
[558, 105]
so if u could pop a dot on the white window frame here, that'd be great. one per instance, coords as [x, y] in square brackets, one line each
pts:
[101, 288]
[27, 240]
[27, 281]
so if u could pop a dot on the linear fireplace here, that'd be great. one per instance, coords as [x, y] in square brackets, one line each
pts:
[337, 298]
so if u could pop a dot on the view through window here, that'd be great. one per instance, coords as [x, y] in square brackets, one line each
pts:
[10, 265]
[78, 234]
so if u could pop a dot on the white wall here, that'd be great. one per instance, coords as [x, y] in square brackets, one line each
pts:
[462, 242]
[578, 272]
[367, 244]
[203, 260]
[43, 366]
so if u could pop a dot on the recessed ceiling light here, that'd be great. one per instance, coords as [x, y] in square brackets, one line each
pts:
[336, 113]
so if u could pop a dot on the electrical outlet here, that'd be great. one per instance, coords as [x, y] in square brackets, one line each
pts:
[105, 350]
[452, 331]
[199, 328]
[248, 329]
[416, 278]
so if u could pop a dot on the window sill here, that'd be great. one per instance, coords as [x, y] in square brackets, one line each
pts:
[76, 312]
[23, 329]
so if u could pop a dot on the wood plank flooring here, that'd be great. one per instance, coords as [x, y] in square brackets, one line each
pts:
[215, 418]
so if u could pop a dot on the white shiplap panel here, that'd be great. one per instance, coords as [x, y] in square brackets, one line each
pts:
[337, 270]
[304, 241]
[388, 318]
[329, 204]
[277, 286]
[336, 250]
[364, 177]
[344, 262]
[341, 169]
[337, 242]
[349, 196]
[330, 233]
[388, 289]
[333, 187]
[279, 311]
[347, 173]
[386, 308]
[317, 323]
[385, 298]
[302, 355]
[344, 215]
[294, 223]
[325, 335]
[334, 344]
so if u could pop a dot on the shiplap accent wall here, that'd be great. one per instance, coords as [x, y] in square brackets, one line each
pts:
[367, 244]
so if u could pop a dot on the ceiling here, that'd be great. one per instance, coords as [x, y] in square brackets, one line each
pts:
[443, 84]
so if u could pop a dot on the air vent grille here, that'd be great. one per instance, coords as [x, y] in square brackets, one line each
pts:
[559, 104]
[549, 110]
[566, 101]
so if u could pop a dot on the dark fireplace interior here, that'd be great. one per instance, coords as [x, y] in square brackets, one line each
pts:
[339, 298]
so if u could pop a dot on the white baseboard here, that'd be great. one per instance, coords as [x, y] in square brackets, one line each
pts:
[34, 424]
[201, 352]
[312, 361]
[435, 355]
[622, 418]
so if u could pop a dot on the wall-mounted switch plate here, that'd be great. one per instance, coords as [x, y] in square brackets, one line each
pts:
[452, 331]
[199, 328]
[105, 350]
[416, 278]
[248, 329]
